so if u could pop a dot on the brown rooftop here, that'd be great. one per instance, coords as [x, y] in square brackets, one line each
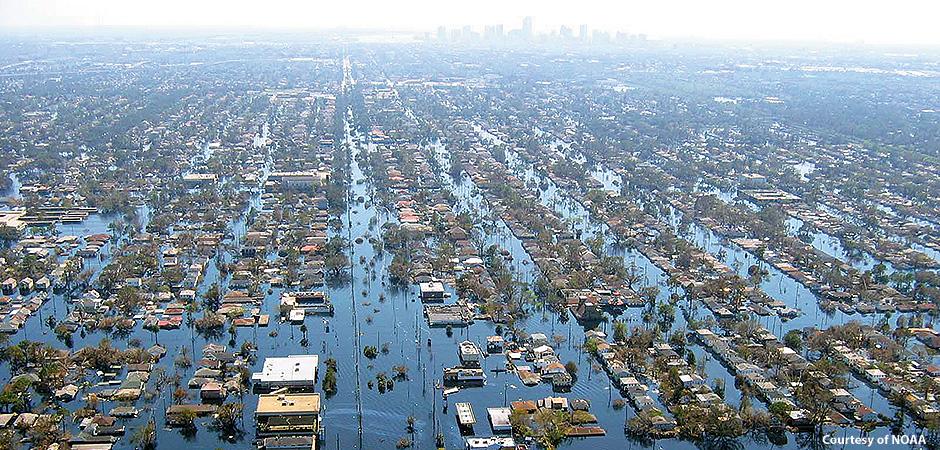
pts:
[288, 404]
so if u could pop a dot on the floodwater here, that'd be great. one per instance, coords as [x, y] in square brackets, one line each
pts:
[363, 319]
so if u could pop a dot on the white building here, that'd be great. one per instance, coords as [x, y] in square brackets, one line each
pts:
[499, 419]
[295, 371]
[490, 443]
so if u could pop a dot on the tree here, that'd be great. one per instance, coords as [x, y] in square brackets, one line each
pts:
[329, 379]
[145, 437]
[401, 372]
[620, 331]
[571, 368]
[213, 297]
[128, 299]
[228, 416]
[794, 340]
[180, 394]
[15, 395]
[335, 265]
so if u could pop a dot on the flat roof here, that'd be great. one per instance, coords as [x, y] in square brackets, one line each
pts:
[291, 370]
[199, 176]
[464, 413]
[288, 404]
[290, 442]
[499, 417]
[433, 286]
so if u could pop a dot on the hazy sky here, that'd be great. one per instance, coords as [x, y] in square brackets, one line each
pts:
[881, 21]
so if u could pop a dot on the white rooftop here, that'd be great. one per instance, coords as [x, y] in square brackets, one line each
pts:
[431, 287]
[294, 370]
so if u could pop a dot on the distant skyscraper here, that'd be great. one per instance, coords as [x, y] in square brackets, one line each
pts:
[583, 33]
[622, 38]
[441, 33]
[527, 26]
[499, 30]
[565, 33]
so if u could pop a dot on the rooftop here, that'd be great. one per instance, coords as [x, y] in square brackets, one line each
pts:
[292, 370]
[288, 404]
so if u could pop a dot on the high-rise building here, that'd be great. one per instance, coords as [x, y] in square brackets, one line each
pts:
[565, 33]
[600, 38]
[499, 31]
[622, 38]
[527, 26]
[441, 33]
[583, 33]
[489, 32]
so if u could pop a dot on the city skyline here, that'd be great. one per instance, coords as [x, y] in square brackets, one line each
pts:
[838, 21]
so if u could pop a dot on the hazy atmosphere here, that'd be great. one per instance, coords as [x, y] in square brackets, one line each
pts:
[872, 21]
[494, 225]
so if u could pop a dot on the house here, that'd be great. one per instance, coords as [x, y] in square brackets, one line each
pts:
[665, 351]
[709, 398]
[538, 339]
[841, 395]
[26, 285]
[689, 381]
[865, 414]
[798, 418]
[541, 351]
[432, 291]
[67, 393]
[551, 369]
[495, 344]
[629, 383]
[745, 368]
[641, 400]
[212, 391]
[561, 382]
[580, 404]
[199, 179]
[595, 334]
[174, 412]
[559, 403]
[8, 286]
[659, 421]
[874, 375]
[156, 352]
[528, 406]
[43, 284]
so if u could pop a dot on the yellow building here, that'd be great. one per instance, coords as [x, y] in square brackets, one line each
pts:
[288, 414]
